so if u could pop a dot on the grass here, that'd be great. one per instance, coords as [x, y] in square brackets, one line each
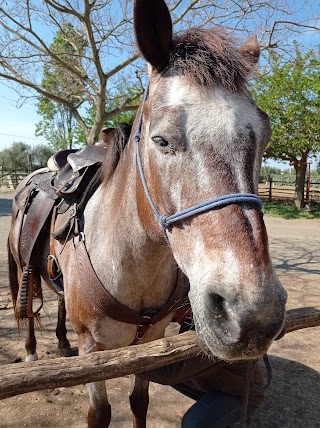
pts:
[289, 211]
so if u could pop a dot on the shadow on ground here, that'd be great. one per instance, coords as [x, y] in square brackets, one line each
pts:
[293, 398]
[5, 207]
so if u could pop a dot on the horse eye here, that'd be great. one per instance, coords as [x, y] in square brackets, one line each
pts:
[160, 141]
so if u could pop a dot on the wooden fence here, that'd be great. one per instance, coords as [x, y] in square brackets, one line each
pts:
[275, 190]
[269, 190]
[10, 179]
[21, 378]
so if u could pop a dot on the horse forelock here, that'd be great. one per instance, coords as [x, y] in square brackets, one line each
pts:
[210, 57]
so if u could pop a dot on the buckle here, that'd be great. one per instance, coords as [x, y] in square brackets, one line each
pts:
[146, 325]
[57, 266]
[72, 212]
[147, 318]
[138, 337]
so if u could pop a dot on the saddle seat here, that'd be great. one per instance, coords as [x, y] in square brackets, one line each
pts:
[72, 176]
[59, 159]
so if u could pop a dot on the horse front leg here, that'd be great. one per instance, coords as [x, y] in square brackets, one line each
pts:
[139, 401]
[61, 330]
[31, 343]
[99, 414]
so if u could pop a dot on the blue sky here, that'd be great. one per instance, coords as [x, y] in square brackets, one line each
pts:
[16, 124]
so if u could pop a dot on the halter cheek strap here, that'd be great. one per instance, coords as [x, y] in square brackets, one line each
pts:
[210, 204]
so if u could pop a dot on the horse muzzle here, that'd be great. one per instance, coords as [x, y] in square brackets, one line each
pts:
[232, 327]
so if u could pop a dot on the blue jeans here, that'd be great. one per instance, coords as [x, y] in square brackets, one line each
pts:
[212, 409]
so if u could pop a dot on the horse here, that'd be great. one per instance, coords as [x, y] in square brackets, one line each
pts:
[179, 194]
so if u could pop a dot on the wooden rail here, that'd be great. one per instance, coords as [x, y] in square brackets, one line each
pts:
[20, 378]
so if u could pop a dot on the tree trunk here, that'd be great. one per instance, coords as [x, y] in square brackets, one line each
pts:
[299, 186]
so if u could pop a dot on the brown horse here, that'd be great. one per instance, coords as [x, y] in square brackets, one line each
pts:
[180, 191]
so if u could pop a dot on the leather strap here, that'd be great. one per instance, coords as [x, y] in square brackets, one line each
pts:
[50, 265]
[111, 307]
[53, 268]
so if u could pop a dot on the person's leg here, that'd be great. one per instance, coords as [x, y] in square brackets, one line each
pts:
[213, 410]
[189, 390]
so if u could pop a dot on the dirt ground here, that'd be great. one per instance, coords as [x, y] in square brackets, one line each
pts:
[292, 400]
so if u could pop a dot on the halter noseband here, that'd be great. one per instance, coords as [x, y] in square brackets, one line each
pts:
[219, 202]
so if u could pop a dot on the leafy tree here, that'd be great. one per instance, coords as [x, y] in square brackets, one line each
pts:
[58, 124]
[18, 156]
[15, 157]
[108, 54]
[40, 155]
[269, 170]
[290, 94]
[112, 104]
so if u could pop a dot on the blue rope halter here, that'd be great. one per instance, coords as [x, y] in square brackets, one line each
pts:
[219, 202]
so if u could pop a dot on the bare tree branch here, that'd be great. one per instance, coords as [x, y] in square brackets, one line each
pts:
[27, 31]
[292, 23]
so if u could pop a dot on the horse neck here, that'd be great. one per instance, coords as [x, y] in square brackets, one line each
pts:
[127, 260]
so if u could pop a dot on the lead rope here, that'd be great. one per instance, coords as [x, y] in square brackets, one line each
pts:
[249, 383]
[249, 375]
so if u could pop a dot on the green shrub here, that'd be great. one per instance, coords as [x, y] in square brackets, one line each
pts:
[289, 211]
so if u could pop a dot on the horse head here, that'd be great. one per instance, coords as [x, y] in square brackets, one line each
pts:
[203, 137]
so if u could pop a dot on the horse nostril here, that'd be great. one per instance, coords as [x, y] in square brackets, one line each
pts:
[218, 307]
[223, 317]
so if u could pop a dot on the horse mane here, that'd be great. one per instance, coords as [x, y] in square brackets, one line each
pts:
[117, 140]
[210, 57]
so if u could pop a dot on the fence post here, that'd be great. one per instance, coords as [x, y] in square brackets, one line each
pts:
[29, 170]
[15, 178]
[270, 189]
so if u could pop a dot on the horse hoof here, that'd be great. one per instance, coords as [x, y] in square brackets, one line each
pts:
[32, 357]
[68, 352]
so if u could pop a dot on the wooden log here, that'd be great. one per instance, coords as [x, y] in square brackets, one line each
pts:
[20, 378]
[296, 319]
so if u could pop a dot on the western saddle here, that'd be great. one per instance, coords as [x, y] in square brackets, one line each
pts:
[53, 197]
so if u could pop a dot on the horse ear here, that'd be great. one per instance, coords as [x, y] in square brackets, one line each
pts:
[251, 50]
[153, 29]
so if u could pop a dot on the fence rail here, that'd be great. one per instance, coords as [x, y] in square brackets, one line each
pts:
[11, 179]
[63, 372]
[269, 189]
[277, 190]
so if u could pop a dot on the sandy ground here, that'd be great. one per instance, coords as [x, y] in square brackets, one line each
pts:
[292, 400]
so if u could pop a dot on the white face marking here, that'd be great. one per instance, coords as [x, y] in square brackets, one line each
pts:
[213, 112]
[178, 93]
[231, 266]
[224, 111]
[226, 266]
